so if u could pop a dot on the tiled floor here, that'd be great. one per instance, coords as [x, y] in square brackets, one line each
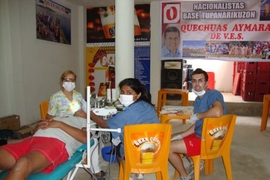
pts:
[112, 168]
[249, 154]
[178, 126]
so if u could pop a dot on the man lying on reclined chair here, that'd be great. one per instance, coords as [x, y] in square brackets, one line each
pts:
[53, 143]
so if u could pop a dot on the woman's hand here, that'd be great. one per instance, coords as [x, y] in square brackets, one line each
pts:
[80, 113]
[48, 123]
[51, 123]
[41, 125]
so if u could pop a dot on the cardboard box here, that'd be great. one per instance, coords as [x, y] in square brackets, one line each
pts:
[10, 122]
[22, 132]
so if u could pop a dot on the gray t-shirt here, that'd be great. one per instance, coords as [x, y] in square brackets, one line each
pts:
[71, 143]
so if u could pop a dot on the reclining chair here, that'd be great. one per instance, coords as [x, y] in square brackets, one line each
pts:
[70, 167]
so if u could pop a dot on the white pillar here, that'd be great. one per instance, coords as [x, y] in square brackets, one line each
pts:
[124, 40]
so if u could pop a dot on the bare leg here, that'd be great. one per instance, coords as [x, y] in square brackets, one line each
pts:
[31, 163]
[7, 160]
[178, 147]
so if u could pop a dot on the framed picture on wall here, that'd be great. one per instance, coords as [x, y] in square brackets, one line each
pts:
[53, 22]
[102, 91]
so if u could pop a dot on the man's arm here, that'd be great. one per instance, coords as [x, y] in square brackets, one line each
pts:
[187, 132]
[215, 111]
[76, 133]
[48, 116]
[79, 113]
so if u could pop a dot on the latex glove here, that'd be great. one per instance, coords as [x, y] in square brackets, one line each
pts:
[193, 118]
[84, 105]
[116, 141]
[177, 137]
[62, 114]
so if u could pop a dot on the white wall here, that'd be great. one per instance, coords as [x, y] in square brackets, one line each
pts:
[223, 69]
[223, 72]
[30, 68]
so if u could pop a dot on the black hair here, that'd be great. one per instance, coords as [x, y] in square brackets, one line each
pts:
[171, 29]
[200, 71]
[138, 87]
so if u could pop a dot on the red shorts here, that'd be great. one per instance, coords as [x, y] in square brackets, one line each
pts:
[53, 149]
[193, 145]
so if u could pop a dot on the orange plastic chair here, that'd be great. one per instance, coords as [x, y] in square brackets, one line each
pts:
[146, 150]
[217, 134]
[265, 111]
[162, 98]
[44, 109]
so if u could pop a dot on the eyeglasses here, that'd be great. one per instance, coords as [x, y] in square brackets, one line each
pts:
[197, 80]
[68, 80]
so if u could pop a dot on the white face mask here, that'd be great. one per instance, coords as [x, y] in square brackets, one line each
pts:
[69, 86]
[199, 93]
[126, 100]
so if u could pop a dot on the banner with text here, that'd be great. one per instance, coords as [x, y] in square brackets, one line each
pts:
[231, 31]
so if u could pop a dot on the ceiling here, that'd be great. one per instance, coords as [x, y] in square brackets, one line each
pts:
[102, 3]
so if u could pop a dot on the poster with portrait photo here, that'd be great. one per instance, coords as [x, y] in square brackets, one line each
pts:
[170, 30]
[171, 42]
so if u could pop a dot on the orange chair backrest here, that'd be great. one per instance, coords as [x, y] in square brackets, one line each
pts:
[44, 109]
[147, 147]
[217, 134]
[162, 97]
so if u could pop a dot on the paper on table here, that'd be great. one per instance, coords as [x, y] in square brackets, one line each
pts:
[177, 109]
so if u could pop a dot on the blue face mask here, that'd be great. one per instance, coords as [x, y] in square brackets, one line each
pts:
[126, 100]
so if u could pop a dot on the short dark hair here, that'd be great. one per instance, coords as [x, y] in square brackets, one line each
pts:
[200, 71]
[171, 29]
[138, 87]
